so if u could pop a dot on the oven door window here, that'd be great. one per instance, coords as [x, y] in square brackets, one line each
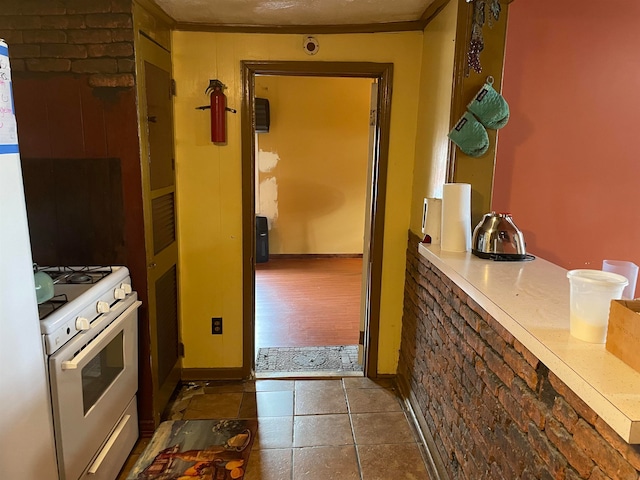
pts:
[101, 371]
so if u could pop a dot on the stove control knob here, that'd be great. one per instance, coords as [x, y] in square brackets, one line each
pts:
[119, 294]
[126, 287]
[103, 307]
[82, 324]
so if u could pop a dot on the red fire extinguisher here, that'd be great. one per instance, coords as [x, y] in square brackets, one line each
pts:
[218, 111]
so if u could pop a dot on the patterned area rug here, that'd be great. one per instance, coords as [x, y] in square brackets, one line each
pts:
[308, 359]
[205, 449]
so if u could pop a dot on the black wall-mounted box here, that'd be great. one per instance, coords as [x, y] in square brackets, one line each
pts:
[262, 240]
[263, 120]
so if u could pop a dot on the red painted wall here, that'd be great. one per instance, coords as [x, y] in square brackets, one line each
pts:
[567, 164]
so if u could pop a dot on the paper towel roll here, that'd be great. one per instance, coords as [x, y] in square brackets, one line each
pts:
[455, 234]
[433, 222]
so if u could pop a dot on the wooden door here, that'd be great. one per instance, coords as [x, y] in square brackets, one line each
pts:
[158, 170]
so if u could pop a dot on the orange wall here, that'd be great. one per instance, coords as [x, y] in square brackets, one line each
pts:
[567, 166]
[312, 188]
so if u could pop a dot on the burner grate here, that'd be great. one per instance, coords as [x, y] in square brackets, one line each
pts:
[51, 305]
[77, 275]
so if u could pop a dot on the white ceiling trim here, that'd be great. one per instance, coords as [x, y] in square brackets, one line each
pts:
[287, 13]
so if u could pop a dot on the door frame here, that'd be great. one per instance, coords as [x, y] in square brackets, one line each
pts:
[383, 73]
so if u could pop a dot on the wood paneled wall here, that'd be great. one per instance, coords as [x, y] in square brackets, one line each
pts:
[64, 120]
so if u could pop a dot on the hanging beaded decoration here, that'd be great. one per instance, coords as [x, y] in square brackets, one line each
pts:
[476, 45]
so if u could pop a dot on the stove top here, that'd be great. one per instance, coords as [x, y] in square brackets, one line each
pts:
[81, 295]
[78, 275]
[69, 283]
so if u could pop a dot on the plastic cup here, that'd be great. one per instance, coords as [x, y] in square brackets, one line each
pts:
[590, 295]
[626, 269]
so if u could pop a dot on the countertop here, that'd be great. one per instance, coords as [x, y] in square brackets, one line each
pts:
[531, 300]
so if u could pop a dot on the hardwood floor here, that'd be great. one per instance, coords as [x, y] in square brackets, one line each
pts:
[302, 302]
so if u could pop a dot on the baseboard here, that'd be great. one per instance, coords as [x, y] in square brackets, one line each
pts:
[433, 461]
[194, 374]
[146, 428]
[385, 376]
[276, 256]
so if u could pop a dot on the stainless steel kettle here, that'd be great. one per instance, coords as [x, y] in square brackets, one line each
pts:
[497, 237]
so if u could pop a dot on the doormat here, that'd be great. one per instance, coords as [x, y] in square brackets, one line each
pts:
[205, 449]
[308, 359]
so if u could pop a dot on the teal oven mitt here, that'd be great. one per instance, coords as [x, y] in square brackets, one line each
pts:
[470, 136]
[490, 107]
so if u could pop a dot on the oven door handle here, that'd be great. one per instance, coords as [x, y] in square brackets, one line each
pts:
[78, 359]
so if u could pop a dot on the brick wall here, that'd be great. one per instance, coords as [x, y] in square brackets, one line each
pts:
[492, 408]
[92, 38]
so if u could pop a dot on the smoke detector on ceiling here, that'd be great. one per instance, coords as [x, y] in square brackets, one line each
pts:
[310, 45]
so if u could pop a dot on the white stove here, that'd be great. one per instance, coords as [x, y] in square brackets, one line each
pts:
[81, 295]
[90, 336]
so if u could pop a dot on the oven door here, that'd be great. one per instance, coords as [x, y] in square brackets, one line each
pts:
[93, 379]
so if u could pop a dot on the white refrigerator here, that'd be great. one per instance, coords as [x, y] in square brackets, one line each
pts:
[27, 447]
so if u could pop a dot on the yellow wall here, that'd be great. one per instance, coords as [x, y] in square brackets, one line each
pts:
[432, 143]
[209, 180]
[313, 163]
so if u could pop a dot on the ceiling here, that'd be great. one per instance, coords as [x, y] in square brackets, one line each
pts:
[308, 15]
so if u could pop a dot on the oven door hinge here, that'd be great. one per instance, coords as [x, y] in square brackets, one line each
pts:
[173, 87]
[180, 349]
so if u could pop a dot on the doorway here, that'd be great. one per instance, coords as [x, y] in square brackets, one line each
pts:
[371, 273]
[311, 190]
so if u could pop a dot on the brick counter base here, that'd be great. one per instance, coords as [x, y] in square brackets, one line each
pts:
[491, 408]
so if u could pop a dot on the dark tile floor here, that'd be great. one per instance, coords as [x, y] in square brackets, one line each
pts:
[346, 428]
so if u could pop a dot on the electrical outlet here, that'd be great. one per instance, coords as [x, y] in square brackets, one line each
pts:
[216, 326]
